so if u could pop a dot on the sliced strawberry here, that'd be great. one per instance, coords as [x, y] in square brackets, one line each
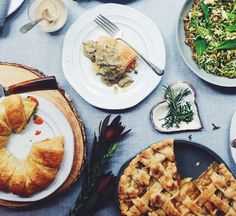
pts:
[38, 120]
[37, 132]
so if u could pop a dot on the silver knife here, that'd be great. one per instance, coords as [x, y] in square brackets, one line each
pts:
[44, 83]
[4, 6]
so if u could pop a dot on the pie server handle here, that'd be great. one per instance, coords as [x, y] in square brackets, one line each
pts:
[44, 83]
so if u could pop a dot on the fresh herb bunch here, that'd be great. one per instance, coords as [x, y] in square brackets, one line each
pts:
[99, 184]
[178, 110]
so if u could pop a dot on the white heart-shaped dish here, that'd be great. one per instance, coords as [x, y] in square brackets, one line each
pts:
[159, 111]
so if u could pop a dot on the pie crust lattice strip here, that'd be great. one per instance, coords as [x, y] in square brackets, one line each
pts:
[151, 185]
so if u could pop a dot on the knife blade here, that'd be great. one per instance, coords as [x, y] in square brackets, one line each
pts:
[4, 6]
[43, 83]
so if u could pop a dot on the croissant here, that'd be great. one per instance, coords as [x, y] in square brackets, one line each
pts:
[14, 114]
[39, 168]
[3, 141]
[48, 152]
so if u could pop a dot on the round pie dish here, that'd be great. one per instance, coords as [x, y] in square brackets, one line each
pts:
[175, 177]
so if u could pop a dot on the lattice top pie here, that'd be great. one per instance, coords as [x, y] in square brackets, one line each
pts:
[151, 186]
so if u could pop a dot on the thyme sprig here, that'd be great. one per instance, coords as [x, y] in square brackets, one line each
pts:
[99, 184]
[178, 109]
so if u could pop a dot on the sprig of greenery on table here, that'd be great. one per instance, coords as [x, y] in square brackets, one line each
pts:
[178, 110]
[99, 184]
[215, 127]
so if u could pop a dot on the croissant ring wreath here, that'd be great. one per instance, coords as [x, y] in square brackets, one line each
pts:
[24, 177]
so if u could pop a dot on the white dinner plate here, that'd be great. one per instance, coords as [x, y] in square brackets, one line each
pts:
[55, 124]
[186, 53]
[14, 5]
[233, 136]
[139, 30]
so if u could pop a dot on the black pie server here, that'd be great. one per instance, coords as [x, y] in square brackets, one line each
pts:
[42, 83]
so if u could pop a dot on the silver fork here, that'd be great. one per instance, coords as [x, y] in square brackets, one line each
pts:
[114, 31]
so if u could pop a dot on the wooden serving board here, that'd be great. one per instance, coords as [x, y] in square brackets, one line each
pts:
[14, 73]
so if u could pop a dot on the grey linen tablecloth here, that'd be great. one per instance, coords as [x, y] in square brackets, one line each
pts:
[43, 51]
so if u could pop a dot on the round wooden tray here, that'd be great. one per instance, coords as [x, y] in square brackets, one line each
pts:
[14, 73]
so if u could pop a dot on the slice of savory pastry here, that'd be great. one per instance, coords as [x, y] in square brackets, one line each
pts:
[112, 60]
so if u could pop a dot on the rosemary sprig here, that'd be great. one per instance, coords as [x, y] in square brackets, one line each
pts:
[178, 109]
[99, 185]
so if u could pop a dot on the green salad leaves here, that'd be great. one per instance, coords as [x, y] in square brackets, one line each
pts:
[205, 11]
[227, 44]
[230, 28]
[200, 46]
[210, 29]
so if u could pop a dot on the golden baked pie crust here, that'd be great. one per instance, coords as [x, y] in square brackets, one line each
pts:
[151, 185]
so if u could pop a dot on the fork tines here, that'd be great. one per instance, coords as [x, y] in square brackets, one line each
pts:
[106, 24]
